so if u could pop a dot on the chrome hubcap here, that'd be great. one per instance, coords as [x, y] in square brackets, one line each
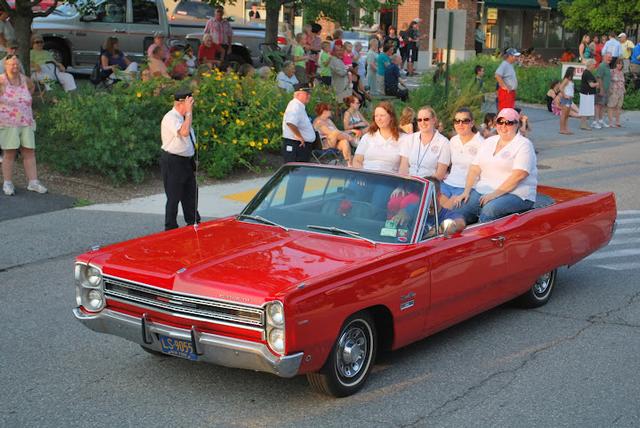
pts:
[542, 284]
[351, 352]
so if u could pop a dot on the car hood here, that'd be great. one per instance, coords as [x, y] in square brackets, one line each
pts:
[234, 260]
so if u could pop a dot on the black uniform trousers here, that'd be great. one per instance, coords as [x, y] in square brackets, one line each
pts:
[292, 151]
[180, 186]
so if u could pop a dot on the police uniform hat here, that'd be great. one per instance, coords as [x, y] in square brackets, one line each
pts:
[182, 94]
[305, 87]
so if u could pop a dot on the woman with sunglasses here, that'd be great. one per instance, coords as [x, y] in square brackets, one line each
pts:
[17, 126]
[45, 68]
[425, 153]
[503, 177]
[464, 148]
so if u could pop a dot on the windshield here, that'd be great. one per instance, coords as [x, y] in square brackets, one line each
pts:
[340, 201]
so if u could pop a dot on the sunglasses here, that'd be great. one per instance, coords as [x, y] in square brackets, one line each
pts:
[506, 122]
[459, 121]
[38, 42]
[423, 119]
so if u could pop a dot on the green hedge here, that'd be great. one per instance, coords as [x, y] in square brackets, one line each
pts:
[116, 133]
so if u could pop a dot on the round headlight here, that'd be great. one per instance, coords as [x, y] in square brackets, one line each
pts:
[93, 276]
[276, 340]
[276, 314]
[94, 299]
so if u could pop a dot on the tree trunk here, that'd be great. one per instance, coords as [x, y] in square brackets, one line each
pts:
[271, 21]
[21, 20]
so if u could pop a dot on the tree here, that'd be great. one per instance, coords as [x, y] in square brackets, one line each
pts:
[21, 18]
[600, 15]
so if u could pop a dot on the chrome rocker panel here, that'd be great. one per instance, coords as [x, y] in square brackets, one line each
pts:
[219, 350]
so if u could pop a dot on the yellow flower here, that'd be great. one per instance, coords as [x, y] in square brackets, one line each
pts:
[252, 143]
[265, 140]
[268, 126]
[257, 103]
[224, 94]
[234, 141]
[253, 92]
[138, 94]
[205, 132]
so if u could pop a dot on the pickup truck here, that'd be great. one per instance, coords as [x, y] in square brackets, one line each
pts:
[76, 38]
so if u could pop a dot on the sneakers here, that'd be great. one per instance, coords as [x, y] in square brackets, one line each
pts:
[604, 124]
[596, 125]
[8, 188]
[35, 186]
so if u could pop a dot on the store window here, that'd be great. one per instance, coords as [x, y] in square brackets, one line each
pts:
[540, 29]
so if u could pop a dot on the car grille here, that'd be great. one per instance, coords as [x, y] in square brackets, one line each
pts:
[228, 313]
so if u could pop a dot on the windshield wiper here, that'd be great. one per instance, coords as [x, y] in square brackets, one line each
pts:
[261, 220]
[341, 231]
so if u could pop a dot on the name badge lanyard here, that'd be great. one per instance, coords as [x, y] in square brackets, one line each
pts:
[426, 152]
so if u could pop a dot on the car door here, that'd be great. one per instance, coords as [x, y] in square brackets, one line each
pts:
[109, 19]
[146, 21]
[467, 274]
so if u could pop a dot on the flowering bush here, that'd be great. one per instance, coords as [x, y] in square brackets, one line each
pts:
[117, 133]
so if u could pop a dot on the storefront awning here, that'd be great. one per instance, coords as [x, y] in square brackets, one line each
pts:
[521, 4]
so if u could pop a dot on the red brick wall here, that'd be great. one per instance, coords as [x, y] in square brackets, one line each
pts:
[412, 9]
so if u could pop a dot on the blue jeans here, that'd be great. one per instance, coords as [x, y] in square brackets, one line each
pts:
[502, 206]
[449, 190]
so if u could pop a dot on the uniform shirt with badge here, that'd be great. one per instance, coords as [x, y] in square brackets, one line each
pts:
[172, 141]
[380, 154]
[496, 168]
[462, 155]
[296, 114]
[424, 158]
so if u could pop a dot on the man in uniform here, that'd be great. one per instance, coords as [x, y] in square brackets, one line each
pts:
[177, 162]
[298, 135]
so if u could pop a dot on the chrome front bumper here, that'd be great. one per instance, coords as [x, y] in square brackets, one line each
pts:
[212, 348]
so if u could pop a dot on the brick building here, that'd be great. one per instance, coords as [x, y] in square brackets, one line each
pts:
[522, 24]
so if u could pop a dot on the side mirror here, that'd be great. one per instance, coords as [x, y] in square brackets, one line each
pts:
[90, 17]
[448, 227]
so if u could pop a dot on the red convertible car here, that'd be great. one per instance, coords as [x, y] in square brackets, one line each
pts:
[318, 274]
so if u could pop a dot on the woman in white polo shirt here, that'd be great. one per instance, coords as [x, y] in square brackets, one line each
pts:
[503, 177]
[425, 153]
[378, 150]
[379, 147]
[464, 148]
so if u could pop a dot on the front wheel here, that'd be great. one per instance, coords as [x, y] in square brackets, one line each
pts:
[351, 358]
[540, 292]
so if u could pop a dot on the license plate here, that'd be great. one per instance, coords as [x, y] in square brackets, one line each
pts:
[178, 347]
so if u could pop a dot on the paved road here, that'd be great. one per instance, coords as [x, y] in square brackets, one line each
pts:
[573, 362]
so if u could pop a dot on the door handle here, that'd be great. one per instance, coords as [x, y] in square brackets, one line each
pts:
[499, 240]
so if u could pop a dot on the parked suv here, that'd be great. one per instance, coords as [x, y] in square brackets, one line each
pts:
[76, 39]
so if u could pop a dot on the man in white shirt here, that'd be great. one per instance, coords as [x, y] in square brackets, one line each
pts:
[613, 47]
[177, 162]
[298, 134]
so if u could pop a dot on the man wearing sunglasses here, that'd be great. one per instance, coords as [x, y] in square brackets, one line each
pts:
[507, 80]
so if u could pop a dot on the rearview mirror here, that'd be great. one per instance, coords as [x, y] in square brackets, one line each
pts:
[448, 227]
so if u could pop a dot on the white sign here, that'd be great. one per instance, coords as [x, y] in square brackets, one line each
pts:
[459, 24]
[580, 68]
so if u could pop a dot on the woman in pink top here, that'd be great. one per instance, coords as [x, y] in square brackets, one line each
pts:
[17, 126]
[347, 57]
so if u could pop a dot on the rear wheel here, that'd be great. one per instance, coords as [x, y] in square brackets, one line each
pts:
[540, 292]
[351, 358]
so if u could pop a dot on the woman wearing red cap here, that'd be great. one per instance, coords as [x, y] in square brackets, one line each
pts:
[503, 177]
